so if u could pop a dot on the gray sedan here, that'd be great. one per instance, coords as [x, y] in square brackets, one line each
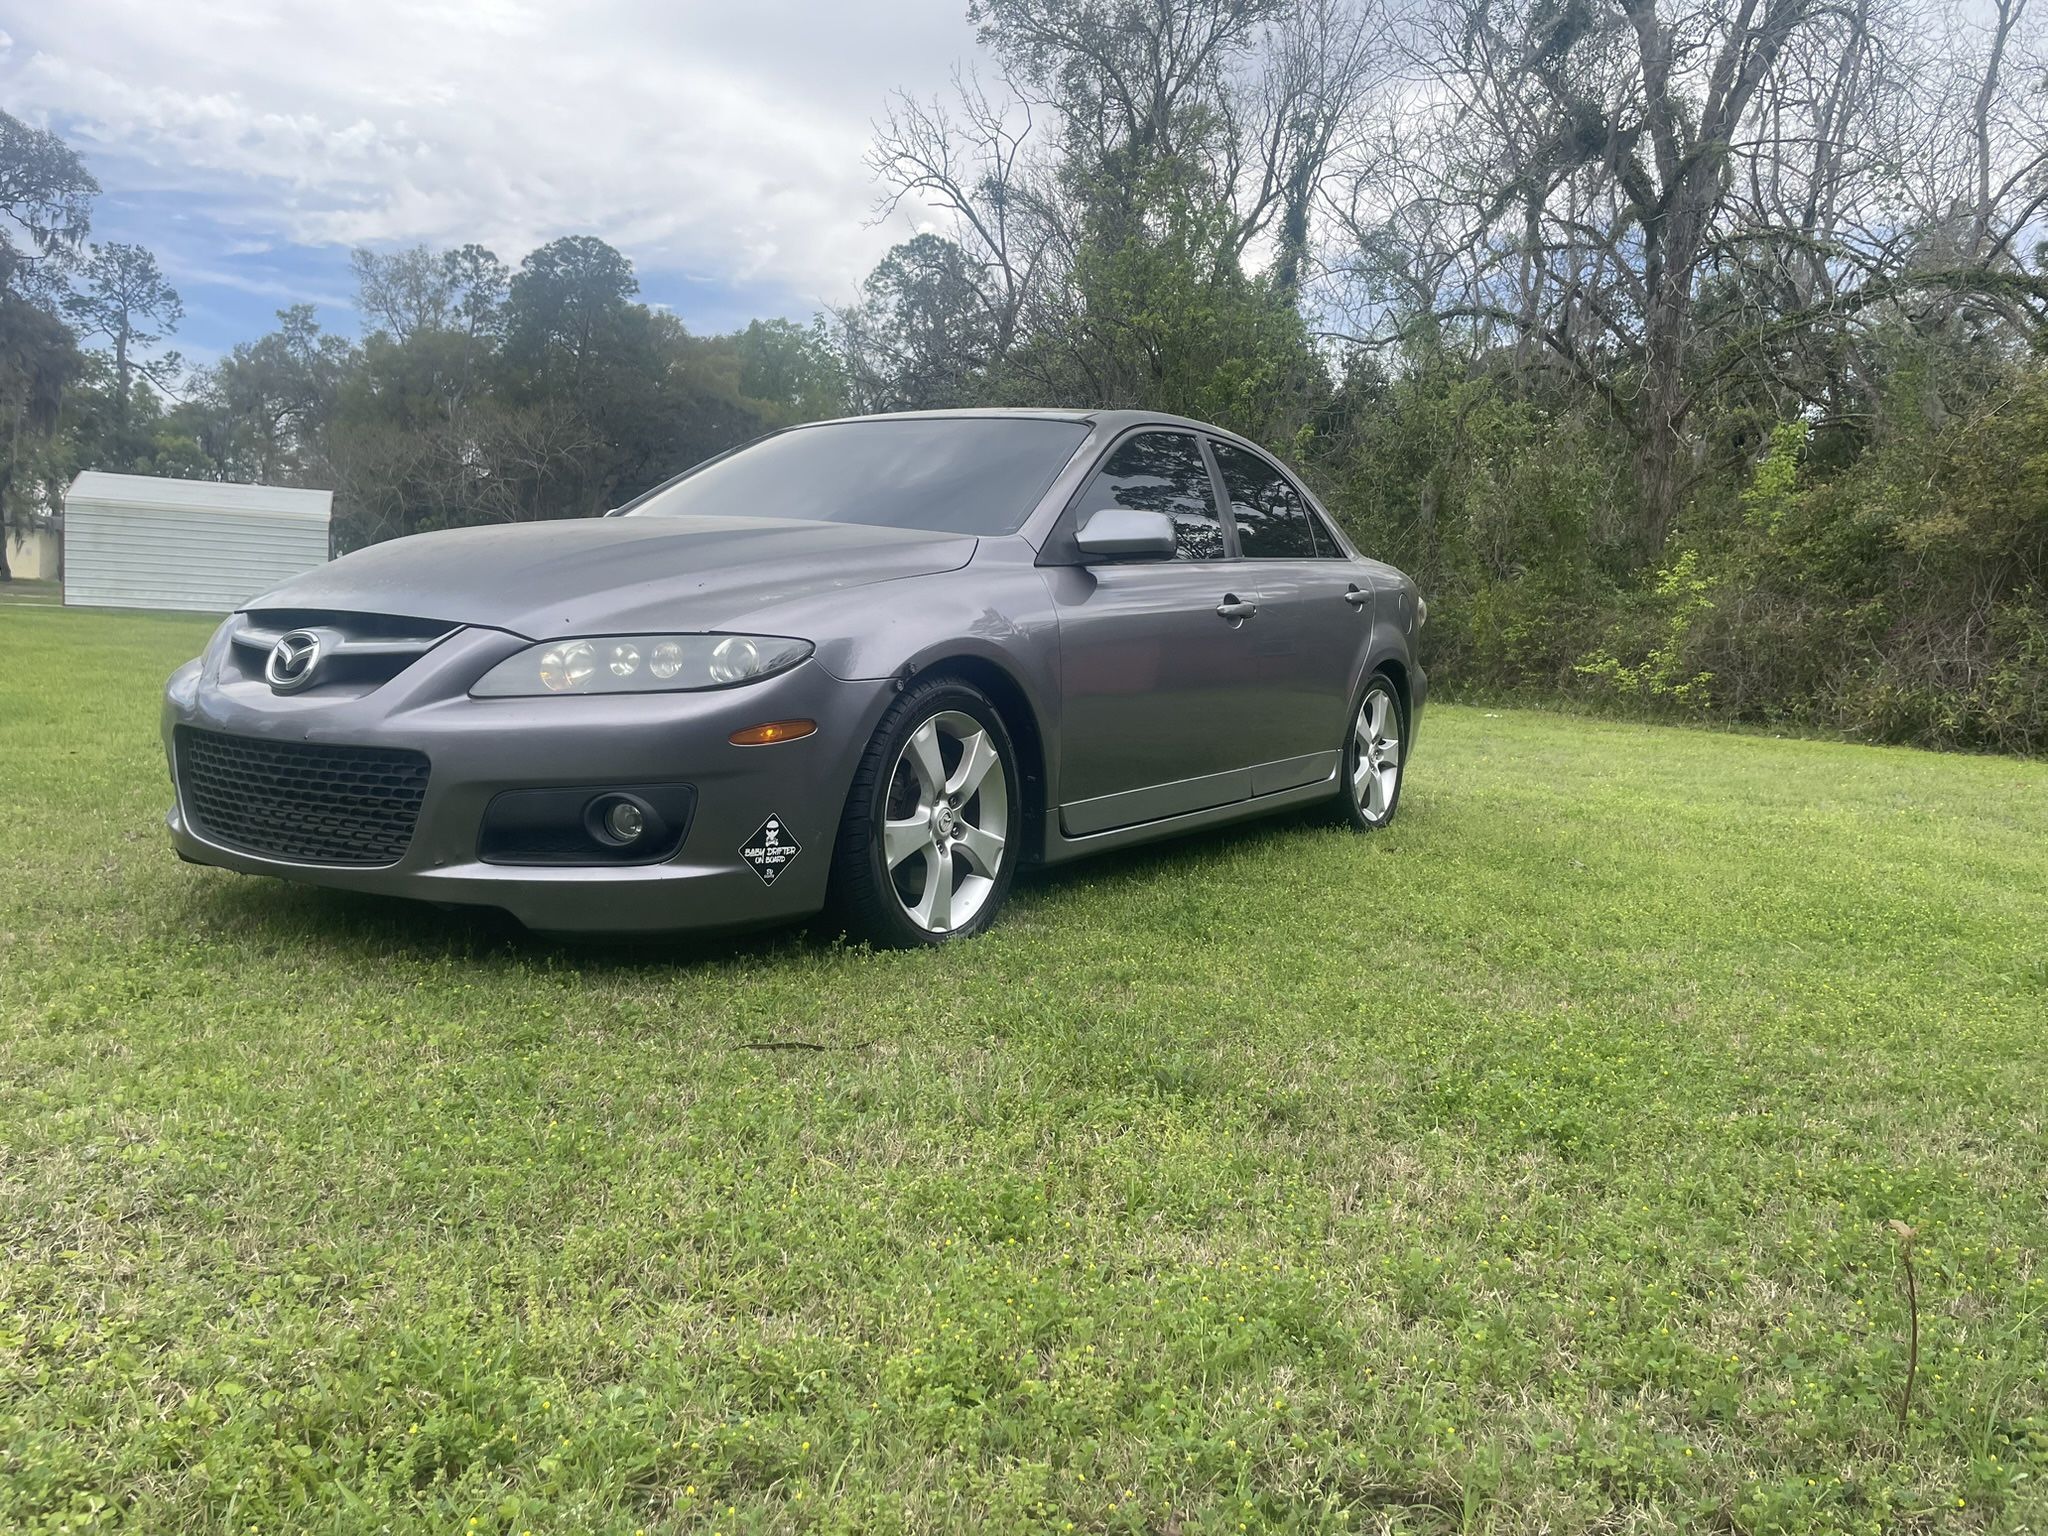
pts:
[867, 667]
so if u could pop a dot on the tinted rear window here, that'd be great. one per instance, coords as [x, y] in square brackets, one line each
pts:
[1272, 523]
[960, 474]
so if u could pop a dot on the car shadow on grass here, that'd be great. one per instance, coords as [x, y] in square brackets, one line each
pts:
[380, 927]
[272, 913]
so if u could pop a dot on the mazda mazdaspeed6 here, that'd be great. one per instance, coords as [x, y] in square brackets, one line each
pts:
[866, 667]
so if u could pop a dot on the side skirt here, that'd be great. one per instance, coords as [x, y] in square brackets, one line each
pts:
[1060, 847]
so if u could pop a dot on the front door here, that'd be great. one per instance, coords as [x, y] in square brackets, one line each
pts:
[1159, 687]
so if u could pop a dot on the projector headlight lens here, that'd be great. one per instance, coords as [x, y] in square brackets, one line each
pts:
[734, 659]
[567, 667]
[640, 664]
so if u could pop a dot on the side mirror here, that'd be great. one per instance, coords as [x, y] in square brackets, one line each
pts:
[1126, 533]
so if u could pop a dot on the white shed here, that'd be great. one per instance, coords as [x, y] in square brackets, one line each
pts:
[142, 541]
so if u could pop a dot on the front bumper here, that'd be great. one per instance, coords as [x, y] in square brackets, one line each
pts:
[479, 747]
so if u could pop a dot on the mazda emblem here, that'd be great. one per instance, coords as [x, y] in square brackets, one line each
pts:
[293, 660]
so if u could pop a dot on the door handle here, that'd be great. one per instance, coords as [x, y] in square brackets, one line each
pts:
[1230, 608]
[1356, 598]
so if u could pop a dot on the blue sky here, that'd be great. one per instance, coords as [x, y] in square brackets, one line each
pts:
[251, 143]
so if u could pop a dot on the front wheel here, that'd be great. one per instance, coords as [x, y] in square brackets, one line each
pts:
[1373, 759]
[928, 842]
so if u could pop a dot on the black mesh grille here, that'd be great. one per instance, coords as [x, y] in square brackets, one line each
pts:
[297, 800]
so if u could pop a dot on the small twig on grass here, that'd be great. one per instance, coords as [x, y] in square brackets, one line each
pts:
[1905, 1235]
[801, 1045]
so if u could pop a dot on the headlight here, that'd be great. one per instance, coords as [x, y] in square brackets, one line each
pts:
[639, 664]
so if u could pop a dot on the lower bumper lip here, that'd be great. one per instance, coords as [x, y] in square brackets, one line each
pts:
[636, 898]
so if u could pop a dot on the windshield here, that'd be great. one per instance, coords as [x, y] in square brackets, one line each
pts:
[948, 474]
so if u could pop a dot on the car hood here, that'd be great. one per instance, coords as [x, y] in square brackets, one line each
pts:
[615, 574]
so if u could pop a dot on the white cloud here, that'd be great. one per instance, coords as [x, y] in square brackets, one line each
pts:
[714, 140]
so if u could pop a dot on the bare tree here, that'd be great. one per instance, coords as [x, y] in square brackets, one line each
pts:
[1118, 117]
[1299, 104]
[1135, 80]
[971, 162]
[1580, 181]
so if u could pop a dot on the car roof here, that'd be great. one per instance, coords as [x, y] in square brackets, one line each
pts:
[1111, 420]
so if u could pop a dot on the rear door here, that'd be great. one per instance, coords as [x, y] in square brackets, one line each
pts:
[1159, 689]
[1321, 613]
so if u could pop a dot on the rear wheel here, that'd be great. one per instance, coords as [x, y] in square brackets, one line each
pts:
[1373, 755]
[927, 844]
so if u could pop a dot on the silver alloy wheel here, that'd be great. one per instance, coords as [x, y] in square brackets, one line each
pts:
[1376, 754]
[946, 821]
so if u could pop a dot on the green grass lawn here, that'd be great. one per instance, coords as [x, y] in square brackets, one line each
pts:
[1526, 1167]
[32, 593]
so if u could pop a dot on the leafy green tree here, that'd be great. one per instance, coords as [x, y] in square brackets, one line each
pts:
[478, 283]
[920, 337]
[1166, 318]
[570, 311]
[263, 411]
[790, 367]
[403, 292]
[123, 297]
[46, 198]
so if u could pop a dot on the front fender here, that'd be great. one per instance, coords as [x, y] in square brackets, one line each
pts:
[995, 612]
[995, 609]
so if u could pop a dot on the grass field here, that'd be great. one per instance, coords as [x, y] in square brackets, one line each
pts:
[1526, 1167]
[32, 593]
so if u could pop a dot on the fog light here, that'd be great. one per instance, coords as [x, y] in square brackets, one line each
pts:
[586, 824]
[623, 821]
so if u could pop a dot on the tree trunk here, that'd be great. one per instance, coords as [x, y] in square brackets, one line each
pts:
[1658, 456]
[1657, 464]
[7, 485]
[121, 383]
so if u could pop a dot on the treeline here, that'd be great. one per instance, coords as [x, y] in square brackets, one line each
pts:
[477, 394]
[1695, 360]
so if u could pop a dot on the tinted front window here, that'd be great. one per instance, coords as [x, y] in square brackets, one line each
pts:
[950, 474]
[1162, 472]
[1272, 523]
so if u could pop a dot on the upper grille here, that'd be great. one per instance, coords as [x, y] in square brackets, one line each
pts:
[298, 800]
[358, 651]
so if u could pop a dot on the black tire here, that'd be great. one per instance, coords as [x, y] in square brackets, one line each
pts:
[1375, 808]
[865, 898]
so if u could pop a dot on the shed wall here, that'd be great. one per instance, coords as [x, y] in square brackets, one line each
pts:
[134, 555]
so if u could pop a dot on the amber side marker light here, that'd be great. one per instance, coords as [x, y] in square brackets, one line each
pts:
[774, 731]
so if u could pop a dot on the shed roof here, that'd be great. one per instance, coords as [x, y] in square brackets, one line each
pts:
[162, 493]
